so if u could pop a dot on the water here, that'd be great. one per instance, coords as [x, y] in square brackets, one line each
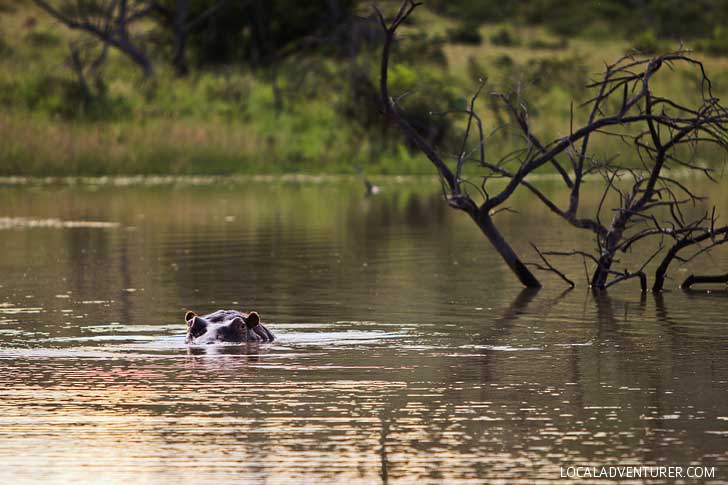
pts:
[407, 353]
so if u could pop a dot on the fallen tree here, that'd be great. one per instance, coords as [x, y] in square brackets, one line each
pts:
[703, 279]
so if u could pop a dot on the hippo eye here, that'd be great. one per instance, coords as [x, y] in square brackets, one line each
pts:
[237, 324]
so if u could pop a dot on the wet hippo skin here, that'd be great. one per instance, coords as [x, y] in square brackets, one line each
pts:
[226, 326]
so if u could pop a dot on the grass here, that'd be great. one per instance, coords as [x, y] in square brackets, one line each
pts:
[228, 120]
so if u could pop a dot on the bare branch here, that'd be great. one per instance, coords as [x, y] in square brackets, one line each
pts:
[716, 236]
[550, 267]
[111, 27]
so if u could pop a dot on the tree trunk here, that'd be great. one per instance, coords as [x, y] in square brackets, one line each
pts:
[599, 278]
[136, 54]
[485, 223]
[662, 269]
[614, 236]
[180, 37]
[77, 67]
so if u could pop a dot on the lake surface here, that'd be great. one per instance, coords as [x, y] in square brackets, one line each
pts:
[407, 353]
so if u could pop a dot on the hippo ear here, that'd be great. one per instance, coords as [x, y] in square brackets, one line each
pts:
[189, 316]
[252, 319]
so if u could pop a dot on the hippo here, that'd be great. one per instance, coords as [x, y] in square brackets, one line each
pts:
[226, 326]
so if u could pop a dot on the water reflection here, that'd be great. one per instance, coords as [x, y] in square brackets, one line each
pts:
[405, 353]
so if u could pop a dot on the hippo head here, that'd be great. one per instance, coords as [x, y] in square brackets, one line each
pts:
[225, 326]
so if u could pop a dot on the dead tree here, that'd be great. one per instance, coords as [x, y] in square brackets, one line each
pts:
[668, 138]
[651, 200]
[662, 134]
[107, 20]
[458, 197]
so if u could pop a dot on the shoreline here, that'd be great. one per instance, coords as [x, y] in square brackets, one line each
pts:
[234, 179]
[166, 180]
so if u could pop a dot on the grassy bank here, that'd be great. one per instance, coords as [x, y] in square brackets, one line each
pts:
[310, 114]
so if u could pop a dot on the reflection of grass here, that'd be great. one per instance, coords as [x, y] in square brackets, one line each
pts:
[226, 122]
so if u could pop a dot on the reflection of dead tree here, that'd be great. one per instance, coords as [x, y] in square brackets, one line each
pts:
[662, 133]
[107, 20]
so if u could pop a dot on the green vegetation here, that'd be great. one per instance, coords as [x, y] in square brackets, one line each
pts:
[297, 96]
[670, 19]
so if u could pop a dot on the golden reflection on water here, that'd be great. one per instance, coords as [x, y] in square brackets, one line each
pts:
[405, 352]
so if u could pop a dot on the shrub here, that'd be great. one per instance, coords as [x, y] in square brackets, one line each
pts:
[62, 96]
[504, 61]
[569, 74]
[466, 33]
[559, 44]
[227, 89]
[505, 37]
[423, 48]
[717, 44]
[5, 50]
[426, 93]
[8, 6]
[40, 38]
[476, 71]
[647, 42]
